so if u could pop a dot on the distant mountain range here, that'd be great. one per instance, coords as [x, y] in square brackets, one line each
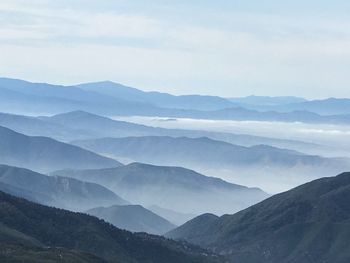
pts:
[80, 125]
[174, 217]
[307, 224]
[56, 191]
[162, 100]
[35, 233]
[133, 218]
[266, 101]
[109, 98]
[204, 153]
[45, 154]
[172, 188]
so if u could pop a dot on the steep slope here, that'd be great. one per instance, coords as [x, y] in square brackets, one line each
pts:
[174, 188]
[310, 223]
[55, 191]
[45, 154]
[133, 218]
[79, 232]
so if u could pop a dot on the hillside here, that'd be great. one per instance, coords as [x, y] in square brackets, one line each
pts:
[56, 191]
[45, 154]
[310, 223]
[175, 188]
[53, 227]
[134, 218]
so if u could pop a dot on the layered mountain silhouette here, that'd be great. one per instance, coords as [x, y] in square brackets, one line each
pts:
[203, 152]
[165, 100]
[79, 125]
[174, 217]
[173, 188]
[56, 191]
[310, 223]
[33, 231]
[133, 218]
[114, 99]
[45, 154]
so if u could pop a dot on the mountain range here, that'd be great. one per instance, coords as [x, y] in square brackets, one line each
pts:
[31, 232]
[56, 191]
[203, 152]
[307, 224]
[78, 125]
[174, 188]
[109, 98]
[45, 154]
[133, 218]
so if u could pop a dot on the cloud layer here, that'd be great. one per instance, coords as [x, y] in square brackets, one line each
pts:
[179, 47]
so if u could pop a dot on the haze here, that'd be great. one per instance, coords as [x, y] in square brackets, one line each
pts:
[182, 47]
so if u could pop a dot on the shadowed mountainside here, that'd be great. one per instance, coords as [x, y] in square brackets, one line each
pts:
[310, 223]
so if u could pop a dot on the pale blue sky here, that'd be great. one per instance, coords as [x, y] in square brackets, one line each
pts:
[226, 48]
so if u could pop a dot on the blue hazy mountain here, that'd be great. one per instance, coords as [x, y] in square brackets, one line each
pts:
[175, 217]
[134, 218]
[330, 106]
[173, 188]
[45, 154]
[39, 98]
[80, 125]
[309, 223]
[163, 100]
[56, 191]
[266, 100]
[20, 96]
[205, 153]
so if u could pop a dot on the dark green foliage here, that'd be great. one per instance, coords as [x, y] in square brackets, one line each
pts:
[134, 218]
[21, 254]
[310, 223]
[75, 231]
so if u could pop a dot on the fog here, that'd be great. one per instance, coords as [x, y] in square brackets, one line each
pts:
[334, 140]
[331, 140]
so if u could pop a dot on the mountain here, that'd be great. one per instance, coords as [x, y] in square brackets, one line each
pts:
[163, 100]
[41, 98]
[266, 101]
[332, 106]
[173, 188]
[82, 237]
[98, 125]
[55, 191]
[174, 217]
[80, 125]
[34, 126]
[199, 153]
[45, 154]
[133, 218]
[310, 223]
[106, 127]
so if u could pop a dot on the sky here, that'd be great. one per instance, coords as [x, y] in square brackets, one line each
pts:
[224, 47]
